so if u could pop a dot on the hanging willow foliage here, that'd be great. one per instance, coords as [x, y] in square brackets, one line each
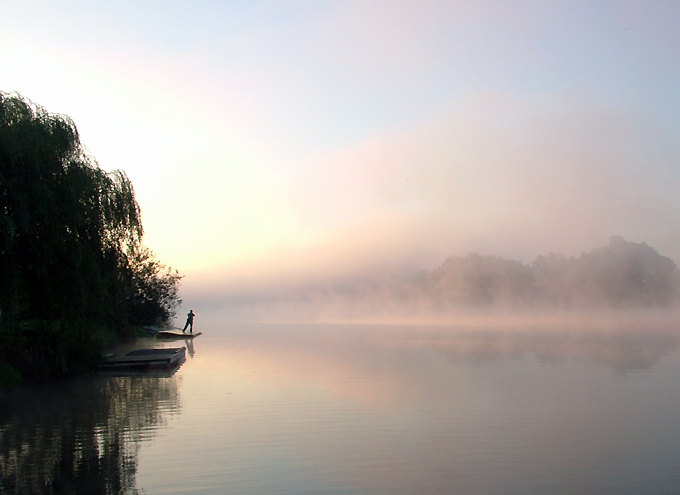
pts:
[66, 226]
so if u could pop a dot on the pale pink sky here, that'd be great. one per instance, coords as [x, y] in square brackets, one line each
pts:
[286, 141]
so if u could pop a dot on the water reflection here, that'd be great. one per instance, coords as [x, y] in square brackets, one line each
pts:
[291, 409]
[385, 409]
[189, 344]
[81, 435]
[621, 351]
[621, 348]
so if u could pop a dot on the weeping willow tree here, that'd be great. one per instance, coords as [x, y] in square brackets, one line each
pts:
[70, 233]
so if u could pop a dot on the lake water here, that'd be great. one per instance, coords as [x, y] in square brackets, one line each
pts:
[364, 409]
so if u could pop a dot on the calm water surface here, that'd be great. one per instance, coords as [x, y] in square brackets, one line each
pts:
[333, 409]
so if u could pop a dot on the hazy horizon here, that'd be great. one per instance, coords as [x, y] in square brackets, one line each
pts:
[275, 146]
[611, 283]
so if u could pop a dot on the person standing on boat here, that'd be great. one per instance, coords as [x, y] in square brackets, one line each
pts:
[190, 322]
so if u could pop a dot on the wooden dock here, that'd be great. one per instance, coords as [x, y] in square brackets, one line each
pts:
[146, 359]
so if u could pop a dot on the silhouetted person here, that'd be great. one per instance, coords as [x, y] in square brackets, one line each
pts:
[190, 322]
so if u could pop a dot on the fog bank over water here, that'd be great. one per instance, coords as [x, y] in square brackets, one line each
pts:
[628, 279]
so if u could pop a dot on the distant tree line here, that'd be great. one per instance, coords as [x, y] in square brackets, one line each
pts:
[73, 268]
[620, 275]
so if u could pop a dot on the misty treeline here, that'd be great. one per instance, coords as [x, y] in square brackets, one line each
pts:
[73, 269]
[620, 275]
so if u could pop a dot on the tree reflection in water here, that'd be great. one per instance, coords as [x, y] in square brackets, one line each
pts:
[80, 435]
[622, 351]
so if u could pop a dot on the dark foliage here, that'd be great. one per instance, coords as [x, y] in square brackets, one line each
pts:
[70, 235]
[154, 294]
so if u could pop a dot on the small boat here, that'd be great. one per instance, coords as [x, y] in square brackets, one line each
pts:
[176, 333]
[146, 359]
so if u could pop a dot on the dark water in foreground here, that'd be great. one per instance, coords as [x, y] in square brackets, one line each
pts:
[330, 409]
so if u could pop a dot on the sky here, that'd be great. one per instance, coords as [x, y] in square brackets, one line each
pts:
[284, 143]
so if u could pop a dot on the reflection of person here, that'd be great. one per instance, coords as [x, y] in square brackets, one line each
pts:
[190, 322]
[190, 346]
